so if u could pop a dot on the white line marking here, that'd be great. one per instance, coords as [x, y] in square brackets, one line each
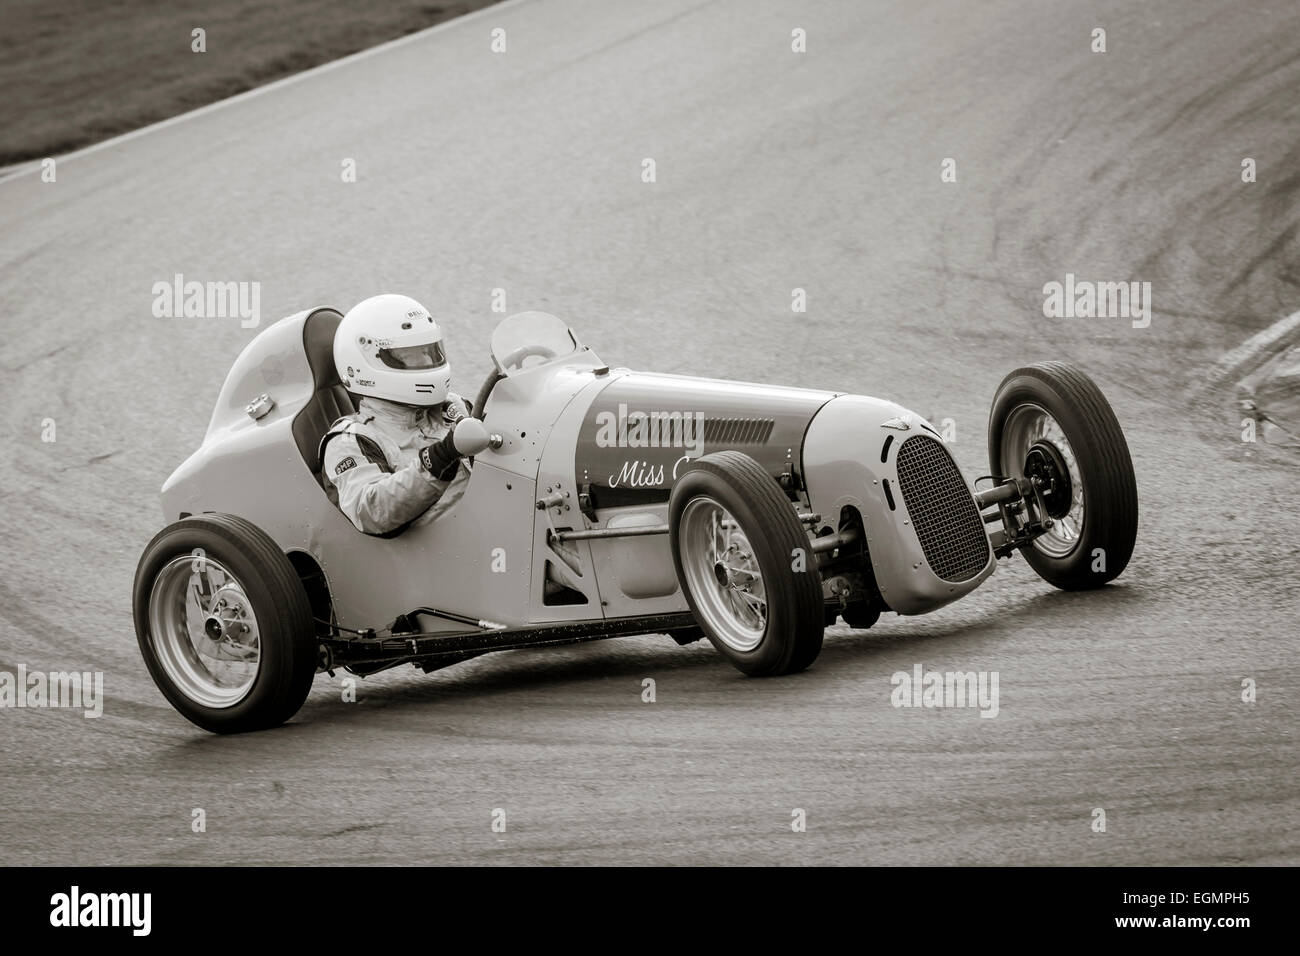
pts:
[35, 165]
[1263, 344]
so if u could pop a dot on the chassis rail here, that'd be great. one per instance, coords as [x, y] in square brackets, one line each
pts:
[338, 651]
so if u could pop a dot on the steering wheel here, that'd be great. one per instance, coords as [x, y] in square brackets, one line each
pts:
[516, 358]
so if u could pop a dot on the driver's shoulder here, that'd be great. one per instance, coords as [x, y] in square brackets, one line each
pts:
[351, 433]
[358, 423]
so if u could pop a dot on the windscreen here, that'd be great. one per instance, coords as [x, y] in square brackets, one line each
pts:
[531, 338]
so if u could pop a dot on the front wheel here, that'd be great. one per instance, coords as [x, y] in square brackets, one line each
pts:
[224, 624]
[746, 566]
[1051, 423]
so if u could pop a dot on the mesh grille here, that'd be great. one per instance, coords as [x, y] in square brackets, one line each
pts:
[942, 510]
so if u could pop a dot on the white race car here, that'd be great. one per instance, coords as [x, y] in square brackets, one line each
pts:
[601, 502]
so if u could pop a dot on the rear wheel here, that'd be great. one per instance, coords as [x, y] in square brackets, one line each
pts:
[744, 563]
[224, 624]
[1051, 423]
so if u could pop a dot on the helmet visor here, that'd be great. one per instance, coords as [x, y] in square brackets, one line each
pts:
[414, 356]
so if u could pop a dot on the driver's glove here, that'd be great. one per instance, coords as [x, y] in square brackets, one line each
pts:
[453, 411]
[441, 458]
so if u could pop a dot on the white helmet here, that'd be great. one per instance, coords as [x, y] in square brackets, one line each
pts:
[389, 347]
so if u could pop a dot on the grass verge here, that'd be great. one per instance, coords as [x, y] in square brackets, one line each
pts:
[76, 72]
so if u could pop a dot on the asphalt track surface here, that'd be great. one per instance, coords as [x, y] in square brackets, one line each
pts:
[775, 170]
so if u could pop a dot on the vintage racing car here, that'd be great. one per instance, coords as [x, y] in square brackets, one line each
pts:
[601, 502]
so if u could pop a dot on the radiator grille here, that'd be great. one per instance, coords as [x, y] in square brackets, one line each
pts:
[942, 510]
[737, 431]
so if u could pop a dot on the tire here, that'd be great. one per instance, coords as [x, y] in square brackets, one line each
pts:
[787, 636]
[1090, 548]
[197, 633]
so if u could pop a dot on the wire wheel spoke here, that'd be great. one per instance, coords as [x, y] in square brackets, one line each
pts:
[757, 606]
[722, 573]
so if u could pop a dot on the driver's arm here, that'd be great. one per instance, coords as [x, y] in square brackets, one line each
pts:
[375, 499]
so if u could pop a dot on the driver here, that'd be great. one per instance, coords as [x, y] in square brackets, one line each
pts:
[394, 462]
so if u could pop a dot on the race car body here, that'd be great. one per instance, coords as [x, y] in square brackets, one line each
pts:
[600, 502]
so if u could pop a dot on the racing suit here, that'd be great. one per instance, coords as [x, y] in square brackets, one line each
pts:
[372, 461]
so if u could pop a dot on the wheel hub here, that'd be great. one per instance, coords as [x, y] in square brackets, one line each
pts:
[1034, 446]
[1046, 468]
